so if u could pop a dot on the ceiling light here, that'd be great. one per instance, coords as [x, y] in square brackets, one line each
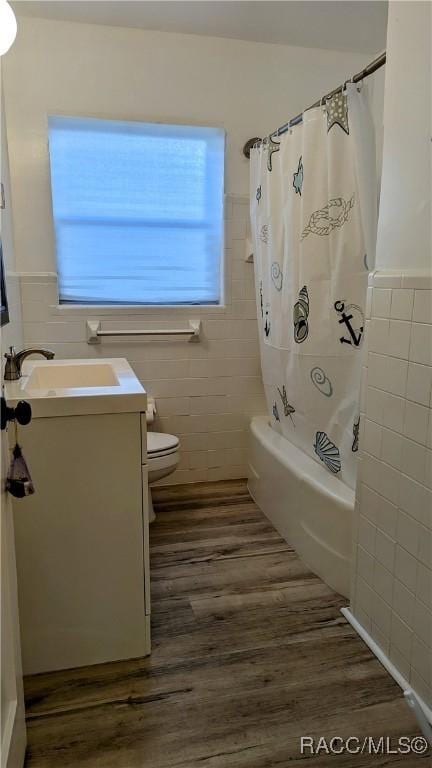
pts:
[8, 27]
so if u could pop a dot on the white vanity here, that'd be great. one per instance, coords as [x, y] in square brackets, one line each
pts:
[82, 538]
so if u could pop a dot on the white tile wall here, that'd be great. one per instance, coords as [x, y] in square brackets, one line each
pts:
[392, 579]
[207, 392]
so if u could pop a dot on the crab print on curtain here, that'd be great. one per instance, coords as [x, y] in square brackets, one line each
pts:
[309, 221]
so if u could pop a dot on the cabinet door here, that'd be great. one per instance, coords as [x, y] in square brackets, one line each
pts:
[79, 546]
[13, 732]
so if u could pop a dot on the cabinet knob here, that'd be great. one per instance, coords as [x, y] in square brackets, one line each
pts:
[22, 413]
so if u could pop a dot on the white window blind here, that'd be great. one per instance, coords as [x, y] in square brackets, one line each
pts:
[138, 211]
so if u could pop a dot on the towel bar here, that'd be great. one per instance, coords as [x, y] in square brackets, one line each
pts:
[95, 332]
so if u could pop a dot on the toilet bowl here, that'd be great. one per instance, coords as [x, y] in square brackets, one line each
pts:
[162, 459]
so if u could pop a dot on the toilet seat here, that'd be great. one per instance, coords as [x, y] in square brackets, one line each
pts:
[158, 463]
[160, 444]
[161, 454]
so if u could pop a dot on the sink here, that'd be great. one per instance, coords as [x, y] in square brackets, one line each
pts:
[75, 387]
[56, 376]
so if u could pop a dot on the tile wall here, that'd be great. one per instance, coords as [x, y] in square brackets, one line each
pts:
[207, 392]
[392, 577]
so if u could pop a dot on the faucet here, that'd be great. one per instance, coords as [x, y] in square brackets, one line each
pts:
[14, 361]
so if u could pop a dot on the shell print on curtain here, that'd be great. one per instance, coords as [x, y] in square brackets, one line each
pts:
[312, 225]
[276, 275]
[327, 452]
[300, 316]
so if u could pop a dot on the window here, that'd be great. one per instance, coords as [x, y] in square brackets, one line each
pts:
[138, 211]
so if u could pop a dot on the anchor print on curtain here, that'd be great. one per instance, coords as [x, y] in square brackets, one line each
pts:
[314, 231]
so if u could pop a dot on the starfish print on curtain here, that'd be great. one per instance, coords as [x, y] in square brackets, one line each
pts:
[337, 112]
[270, 147]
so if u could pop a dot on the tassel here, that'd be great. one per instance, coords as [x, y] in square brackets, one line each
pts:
[18, 481]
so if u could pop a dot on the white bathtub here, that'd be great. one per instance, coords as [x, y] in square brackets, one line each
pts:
[310, 508]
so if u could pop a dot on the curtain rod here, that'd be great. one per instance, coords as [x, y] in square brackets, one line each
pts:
[368, 70]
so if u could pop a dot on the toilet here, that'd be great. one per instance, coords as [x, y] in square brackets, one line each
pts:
[162, 459]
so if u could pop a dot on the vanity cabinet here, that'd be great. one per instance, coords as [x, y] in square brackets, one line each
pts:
[82, 542]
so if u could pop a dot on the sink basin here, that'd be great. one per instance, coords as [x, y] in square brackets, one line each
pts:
[71, 376]
[74, 387]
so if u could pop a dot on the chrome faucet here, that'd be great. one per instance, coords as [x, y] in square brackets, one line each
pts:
[14, 361]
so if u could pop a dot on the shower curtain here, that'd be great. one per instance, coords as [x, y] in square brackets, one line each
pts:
[313, 214]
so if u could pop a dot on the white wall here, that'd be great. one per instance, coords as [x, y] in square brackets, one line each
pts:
[375, 85]
[206, 392]
[12, 333]
[404, 232]
[248, 88]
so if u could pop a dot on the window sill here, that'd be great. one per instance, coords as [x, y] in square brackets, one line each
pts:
[160, 310]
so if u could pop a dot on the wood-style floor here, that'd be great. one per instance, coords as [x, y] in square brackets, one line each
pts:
[250, 652]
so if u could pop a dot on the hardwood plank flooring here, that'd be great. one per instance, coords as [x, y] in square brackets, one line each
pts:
[250, 652]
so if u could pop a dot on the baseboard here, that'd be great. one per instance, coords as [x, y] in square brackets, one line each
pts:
[396, 675]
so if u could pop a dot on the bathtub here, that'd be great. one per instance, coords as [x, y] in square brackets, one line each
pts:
[310, 508]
